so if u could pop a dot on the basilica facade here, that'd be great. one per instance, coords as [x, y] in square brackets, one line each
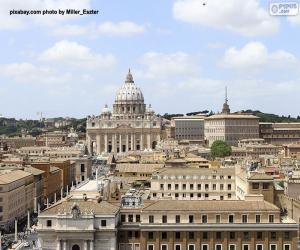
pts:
[129, 126]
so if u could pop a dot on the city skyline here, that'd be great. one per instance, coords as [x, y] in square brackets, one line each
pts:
[179, 50]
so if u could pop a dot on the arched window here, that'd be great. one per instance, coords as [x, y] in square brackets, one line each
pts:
[75, 247]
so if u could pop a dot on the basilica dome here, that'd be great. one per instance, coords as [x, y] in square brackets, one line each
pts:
[129, 92]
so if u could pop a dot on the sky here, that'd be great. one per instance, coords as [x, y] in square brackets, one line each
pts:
[182, 54]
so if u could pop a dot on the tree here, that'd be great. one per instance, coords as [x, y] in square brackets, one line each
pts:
[220, 149]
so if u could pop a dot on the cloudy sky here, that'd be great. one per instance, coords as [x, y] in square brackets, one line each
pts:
[182, 54]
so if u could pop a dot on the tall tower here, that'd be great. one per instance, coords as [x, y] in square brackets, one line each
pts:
[226, 109]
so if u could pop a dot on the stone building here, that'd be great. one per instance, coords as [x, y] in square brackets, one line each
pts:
[130, 126]
[231, 127]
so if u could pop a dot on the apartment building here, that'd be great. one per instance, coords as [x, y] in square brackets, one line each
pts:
[193, 184]
[251, 224]
[16, 196]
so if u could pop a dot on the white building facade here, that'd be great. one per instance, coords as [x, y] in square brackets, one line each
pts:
[130, 126]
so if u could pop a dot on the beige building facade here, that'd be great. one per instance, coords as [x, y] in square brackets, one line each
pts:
[129, 127]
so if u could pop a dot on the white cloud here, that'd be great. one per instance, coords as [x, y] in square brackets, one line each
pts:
[255, 56]
[120, 29]
[163, 65]
[30, 73]
[76, 55]
[8, 21]
[243, 17]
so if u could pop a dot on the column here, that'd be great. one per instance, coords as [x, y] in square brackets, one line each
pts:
[148, 141]
[91, 245]
[105, 143]
[98, 143]
[58, 245]
[85, 245]
[142, 142]
[115, 138]
[16, 230]
[113, 143]
[134, 142]
[64, 245]
[127, 142]
[131, 143]
[28, 219]
[120, 143]
[55, 197]
[35, 204]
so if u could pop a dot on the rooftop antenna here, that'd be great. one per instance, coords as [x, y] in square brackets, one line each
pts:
[226, 98]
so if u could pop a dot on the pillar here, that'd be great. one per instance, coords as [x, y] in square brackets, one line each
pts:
[58, 245]
[85, 247]
[120, 143]
[98, 143]
[55, 197]
[61, 193]
[148, 141]
[131, 143]
[105, 143]
[142, 142]
[64, 245]
[16, 230]
[134, 142]
[0, 240]
[28, 219]
[113, 143]
[35, 204]
[127, 142]
[91, 245]
[39, 208]
[67, 190]
[47, 202]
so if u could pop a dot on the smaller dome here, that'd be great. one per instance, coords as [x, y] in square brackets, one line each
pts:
[149, 109]
[105, 109]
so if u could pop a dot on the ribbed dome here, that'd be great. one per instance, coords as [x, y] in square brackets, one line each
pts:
[129, 91]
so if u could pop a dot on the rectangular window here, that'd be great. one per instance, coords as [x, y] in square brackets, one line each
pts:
[150, 235]
[231, 247]
[176, 186]
[169, 186]
[129, 234]
[218, 218]
[266, 186]
[177, 218]
[191, 219]
[218, 247]
[259, 235]
[163, 247]
[206, 186]
[259, 247]
[214, 186]
[273, 235]
[130, 218]
[255, 185]
[286, 235]
[245, 247]
[137, 234]
[229, 187]
[204, 218]
[230, 218]
[271, 218]
[286, 247]
[103, 223]
[151, 219]
[138, 218]
[123, 217]
[257, 218]
[150, 247]
[218, 235]
[191, 235]
[191, 186]
[204, 247]
[164, 235]
[177, 235]
[246, 235]
[273, 247]
[191, 247]
[221, 186]
[205, 235]
[177, 247]
[164, 219]
[161, 186]
[199, 186]
[199, 195]
[244, 218]
[49, 223]
[232, 235]
[184, 186]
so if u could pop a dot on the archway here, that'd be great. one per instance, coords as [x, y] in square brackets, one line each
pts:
[75, 247]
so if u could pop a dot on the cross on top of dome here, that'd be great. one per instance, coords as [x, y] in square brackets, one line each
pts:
[129, 77]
